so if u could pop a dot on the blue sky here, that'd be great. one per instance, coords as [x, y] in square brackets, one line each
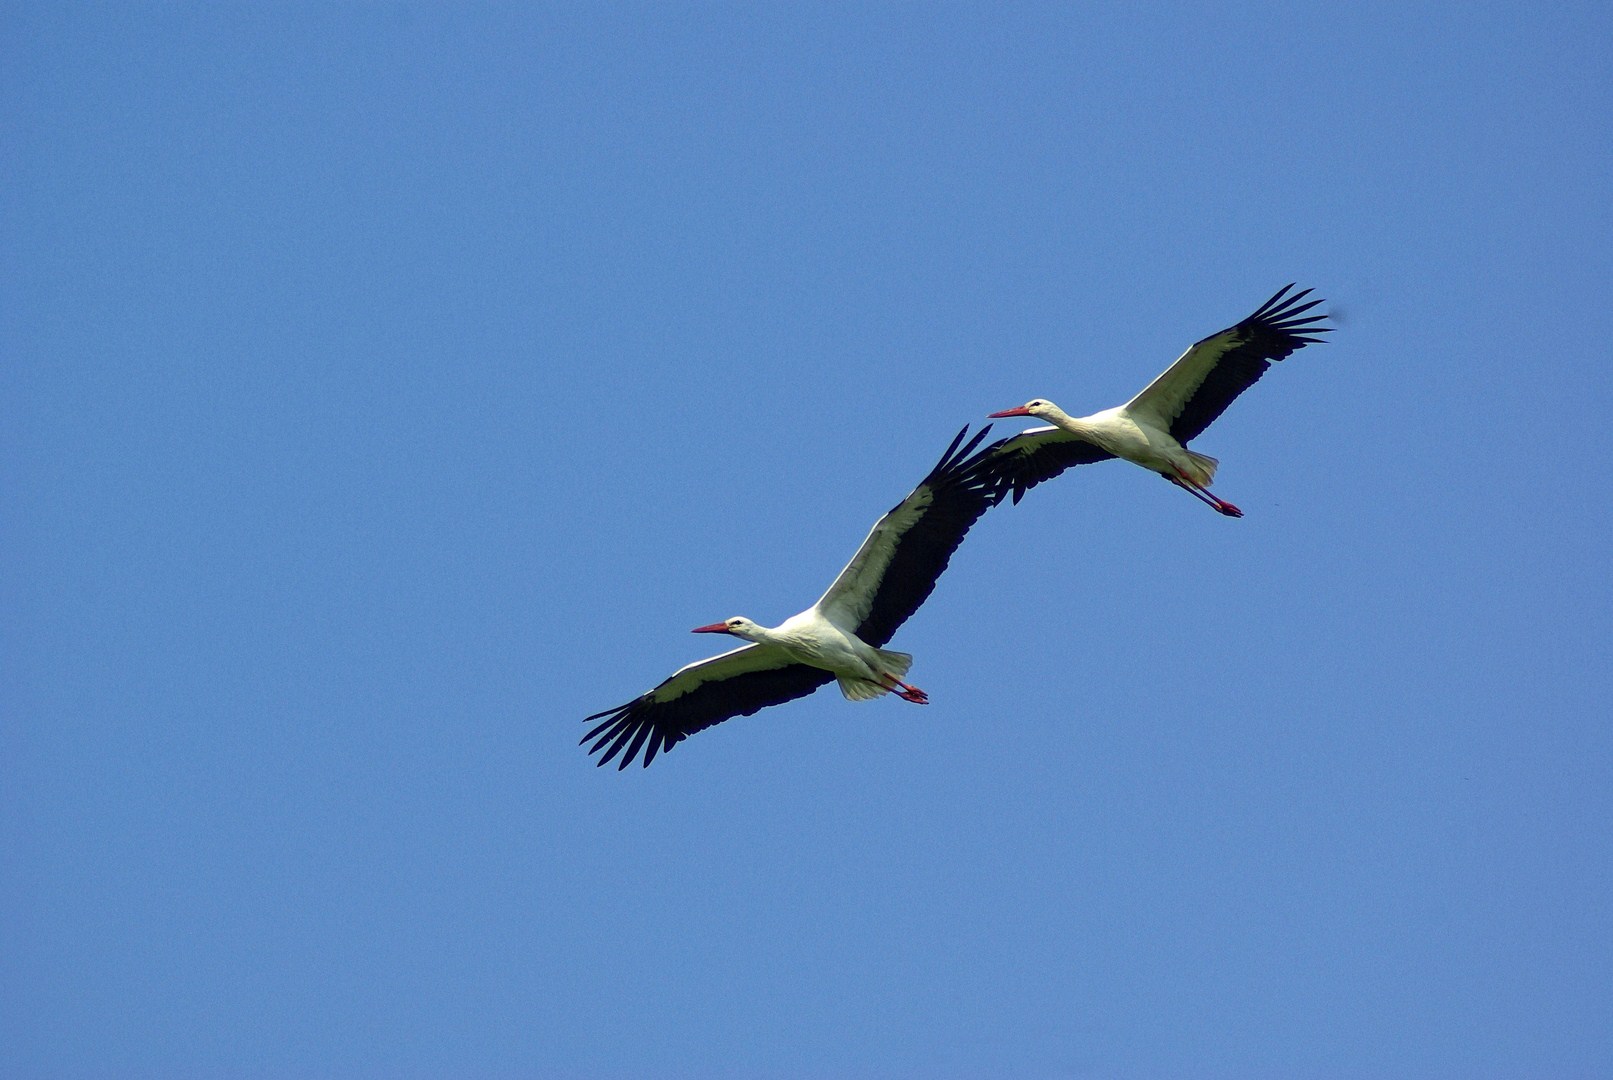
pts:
[387, 387]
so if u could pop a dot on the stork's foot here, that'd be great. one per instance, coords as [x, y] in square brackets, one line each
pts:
[1227, 508]
[906, 691]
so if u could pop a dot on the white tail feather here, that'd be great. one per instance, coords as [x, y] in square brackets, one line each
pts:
[860, 689]
[1200, 467]
[896, 663]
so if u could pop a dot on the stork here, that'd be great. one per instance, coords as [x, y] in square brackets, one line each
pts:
[1153, 428]
[838, 638]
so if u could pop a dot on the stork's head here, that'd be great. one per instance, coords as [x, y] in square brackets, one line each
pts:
[1040, 408]
[739, 626]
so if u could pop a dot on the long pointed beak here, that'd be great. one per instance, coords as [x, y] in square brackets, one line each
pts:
[1021, 411]
[714, 628]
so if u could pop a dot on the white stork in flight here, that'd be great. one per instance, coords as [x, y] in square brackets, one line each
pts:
[837, 638]
[1153, 428]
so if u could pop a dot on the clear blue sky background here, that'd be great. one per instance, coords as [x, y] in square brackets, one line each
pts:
[386, 387]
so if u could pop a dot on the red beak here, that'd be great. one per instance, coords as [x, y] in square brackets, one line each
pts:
[1021, 411]
[714, 628]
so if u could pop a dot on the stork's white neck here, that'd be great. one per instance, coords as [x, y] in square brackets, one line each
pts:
[761, 635]
[1075, 425]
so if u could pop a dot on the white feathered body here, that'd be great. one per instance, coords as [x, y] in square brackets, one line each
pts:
[814, 639]
[1133, 436]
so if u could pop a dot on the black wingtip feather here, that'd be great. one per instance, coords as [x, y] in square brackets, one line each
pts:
[953, 458]
[1276, 298]
[644, 732]
[622, 736]
[953, 445]
[1274, 332]
[601, 727]
[647, 726]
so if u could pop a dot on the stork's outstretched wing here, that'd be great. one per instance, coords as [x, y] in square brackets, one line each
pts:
[693, 698]
[897, 566]
[1208, 377]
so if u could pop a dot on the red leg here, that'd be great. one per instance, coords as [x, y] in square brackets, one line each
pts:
[1203, 494]
[906, 691]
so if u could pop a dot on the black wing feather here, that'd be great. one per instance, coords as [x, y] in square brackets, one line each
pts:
[1023, 461]
[656, 726]
[1273, 332]
[963, 487]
